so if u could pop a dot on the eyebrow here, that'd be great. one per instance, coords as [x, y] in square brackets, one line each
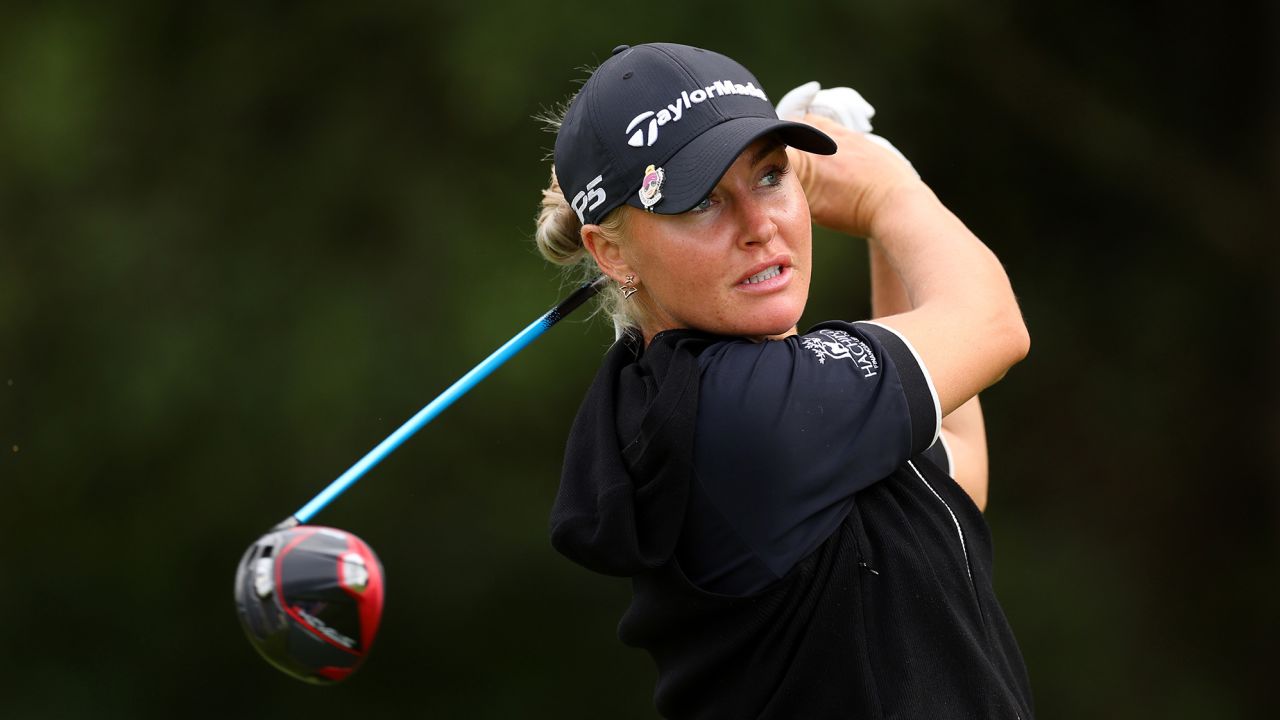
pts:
[766, 150]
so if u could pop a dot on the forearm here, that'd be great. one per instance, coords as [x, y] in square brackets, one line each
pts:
[936, 257]
[888, 294]
[961, 313]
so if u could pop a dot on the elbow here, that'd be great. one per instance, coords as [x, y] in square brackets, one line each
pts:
[1020, 340]
[1011, 337]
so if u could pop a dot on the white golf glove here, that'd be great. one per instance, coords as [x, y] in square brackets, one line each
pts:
[843, 105]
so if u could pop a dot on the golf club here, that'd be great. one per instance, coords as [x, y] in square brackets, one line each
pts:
[310, 598]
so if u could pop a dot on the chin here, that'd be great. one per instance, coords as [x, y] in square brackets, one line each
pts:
[778, 326]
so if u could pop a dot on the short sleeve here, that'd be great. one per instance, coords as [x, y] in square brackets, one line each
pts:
[787, 432]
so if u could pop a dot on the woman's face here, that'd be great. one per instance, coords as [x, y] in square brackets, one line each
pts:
[738, 263]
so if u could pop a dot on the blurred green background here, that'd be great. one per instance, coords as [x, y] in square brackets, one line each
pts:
[241, 243]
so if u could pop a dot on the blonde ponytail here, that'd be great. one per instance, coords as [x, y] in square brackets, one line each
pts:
[559, 239]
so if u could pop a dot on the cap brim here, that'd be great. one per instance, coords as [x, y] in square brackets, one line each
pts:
[691, 174]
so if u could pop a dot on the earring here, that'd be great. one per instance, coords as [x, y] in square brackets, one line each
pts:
[628, 288]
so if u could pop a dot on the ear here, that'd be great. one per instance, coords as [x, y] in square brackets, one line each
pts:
[607, 253]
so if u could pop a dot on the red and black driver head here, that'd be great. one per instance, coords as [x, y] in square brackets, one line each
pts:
[310, 600]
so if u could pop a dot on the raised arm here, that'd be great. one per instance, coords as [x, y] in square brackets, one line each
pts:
[963, 430]
[963, 320]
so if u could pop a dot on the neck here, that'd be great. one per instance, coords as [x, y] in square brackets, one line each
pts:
[650, 333]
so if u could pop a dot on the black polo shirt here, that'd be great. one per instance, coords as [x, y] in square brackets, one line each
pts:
[787, 432]
[793, 552]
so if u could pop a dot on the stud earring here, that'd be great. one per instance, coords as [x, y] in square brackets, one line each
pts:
[628, 288]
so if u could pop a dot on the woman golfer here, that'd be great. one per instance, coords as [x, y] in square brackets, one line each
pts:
[797, 549]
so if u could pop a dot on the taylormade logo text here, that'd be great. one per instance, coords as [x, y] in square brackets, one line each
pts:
[647, 136]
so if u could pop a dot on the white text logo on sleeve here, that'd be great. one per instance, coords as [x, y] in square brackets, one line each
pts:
[840, 345]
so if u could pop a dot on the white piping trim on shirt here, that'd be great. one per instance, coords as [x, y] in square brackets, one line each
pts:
[954, 519]
[946, 450]
[933, 392]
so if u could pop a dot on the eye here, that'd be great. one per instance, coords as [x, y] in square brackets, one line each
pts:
[772, 176]
[702, 206]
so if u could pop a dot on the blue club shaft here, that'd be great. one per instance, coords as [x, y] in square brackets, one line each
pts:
[444, 400]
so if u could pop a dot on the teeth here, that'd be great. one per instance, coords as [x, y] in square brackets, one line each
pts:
[769, 272]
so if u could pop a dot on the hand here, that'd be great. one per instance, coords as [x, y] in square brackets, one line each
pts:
[847, 191]
[844, 190]
[844, 105]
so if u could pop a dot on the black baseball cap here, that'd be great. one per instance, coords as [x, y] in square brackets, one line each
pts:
[657, 125]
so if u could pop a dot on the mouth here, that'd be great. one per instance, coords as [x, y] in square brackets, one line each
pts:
[768, 273]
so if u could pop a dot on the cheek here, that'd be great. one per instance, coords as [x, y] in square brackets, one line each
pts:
[799, 207]
[671, 258]
[686, 273]
[662, 267]
[800, 227]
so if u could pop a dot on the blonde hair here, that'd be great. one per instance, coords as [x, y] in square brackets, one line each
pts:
[559, 240]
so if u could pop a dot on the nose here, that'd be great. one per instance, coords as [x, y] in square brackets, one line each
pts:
[757, 225]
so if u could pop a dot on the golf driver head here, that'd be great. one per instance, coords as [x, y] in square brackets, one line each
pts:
[310, 600]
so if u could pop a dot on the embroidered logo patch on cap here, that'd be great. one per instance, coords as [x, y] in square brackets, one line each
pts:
[651, 187]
